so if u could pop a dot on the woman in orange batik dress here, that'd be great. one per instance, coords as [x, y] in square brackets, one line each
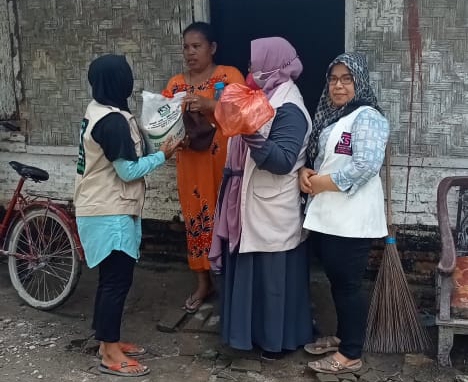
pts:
[199, 173]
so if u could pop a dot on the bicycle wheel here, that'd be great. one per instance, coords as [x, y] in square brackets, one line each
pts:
[46, 267]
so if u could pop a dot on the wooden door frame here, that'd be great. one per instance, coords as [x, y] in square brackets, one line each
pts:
[350, 7]
[201, 10]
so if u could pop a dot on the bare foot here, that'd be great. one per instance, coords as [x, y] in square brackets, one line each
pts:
[344, 360]
[204, 289]
[128, 348]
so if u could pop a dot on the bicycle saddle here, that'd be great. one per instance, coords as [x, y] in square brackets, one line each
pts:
[33, 173]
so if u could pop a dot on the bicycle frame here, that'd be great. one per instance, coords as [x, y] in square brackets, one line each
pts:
[9, 216]
[25, 204]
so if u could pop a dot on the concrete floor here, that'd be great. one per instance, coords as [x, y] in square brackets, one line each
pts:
[57, 345]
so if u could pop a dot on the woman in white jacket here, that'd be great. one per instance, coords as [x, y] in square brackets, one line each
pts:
[346, 203]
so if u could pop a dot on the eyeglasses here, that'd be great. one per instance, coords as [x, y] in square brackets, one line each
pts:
[345, 79]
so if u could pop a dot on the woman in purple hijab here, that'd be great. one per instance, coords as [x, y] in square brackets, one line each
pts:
[258, 244]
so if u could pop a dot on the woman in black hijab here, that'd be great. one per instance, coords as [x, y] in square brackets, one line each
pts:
[109, 195]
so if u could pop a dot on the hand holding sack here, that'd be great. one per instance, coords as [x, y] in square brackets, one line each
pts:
[241, 110]
[161, 118]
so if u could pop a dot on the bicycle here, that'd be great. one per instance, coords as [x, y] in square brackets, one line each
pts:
[38, 234]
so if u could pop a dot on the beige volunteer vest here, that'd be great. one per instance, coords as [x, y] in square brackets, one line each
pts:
[99, 190]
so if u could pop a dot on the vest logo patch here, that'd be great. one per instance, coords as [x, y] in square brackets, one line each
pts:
[344, 144]
[81, 164]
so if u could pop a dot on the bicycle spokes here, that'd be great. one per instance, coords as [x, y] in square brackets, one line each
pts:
[45, 263]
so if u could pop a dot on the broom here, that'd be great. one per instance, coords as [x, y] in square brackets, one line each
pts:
[393, 325]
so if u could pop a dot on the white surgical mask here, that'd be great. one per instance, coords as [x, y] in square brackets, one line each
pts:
[261, 78]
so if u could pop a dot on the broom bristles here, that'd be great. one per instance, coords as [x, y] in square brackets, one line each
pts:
[393, 325]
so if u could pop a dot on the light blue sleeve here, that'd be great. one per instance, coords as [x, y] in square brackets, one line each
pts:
[369, 135]
[131, 170]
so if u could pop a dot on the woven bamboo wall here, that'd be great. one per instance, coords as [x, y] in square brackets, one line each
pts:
[420, 45]
[60, 38]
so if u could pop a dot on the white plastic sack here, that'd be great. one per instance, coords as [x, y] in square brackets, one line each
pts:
[161, 118]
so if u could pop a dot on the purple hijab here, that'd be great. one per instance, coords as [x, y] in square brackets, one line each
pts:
[272, 53]
[227, 225]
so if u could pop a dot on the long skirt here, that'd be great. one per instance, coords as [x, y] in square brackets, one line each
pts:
[265, 300]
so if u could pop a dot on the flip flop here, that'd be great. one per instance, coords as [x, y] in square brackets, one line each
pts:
[116, 369]
[330, 365]
[323, 345]
[129, 349]
[192, 304]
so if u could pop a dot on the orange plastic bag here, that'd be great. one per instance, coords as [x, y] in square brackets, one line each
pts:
[241, 110]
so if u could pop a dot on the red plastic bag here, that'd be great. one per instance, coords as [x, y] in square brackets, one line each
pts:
[241, 110]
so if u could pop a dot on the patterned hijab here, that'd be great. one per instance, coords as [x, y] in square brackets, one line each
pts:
[326, 114]
[271, 54]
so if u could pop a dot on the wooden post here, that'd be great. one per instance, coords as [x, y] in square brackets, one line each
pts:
[7, 89]
[201, 10]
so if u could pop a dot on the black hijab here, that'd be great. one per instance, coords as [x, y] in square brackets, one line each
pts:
[111, 79]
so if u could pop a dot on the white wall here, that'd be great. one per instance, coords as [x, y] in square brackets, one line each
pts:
[60, 162]
[161, 196]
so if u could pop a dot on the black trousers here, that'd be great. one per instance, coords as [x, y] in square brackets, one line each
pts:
[344, 261]
[115, 280]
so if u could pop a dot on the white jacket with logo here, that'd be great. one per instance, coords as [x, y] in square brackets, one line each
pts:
[360, 215]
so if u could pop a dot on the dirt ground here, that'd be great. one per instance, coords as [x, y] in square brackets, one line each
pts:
[58, 345]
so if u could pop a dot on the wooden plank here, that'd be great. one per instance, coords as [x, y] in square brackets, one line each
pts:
[171, 319]
[198, 319]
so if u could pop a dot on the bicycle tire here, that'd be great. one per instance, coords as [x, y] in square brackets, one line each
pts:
[48, 281]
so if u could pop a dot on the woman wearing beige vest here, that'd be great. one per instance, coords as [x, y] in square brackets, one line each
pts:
[109, 195]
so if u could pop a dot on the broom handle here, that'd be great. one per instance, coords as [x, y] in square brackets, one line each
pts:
[388, 184]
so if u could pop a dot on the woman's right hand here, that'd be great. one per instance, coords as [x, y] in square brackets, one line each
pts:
[169, 147]
[195, 102]
[304, 182]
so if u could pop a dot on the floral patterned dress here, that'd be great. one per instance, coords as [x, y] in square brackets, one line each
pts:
[199, 173]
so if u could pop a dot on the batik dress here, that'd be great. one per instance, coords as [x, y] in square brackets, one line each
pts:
[199, 173]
